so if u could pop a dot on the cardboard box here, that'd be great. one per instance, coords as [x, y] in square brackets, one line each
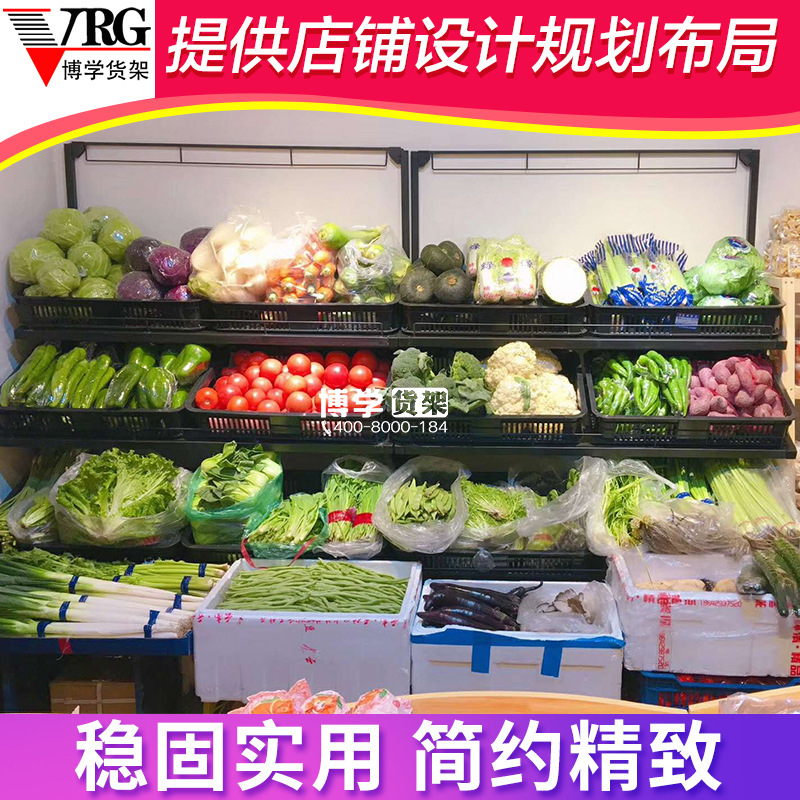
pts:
[706, 633]
[96, 687]
[239, 653]
[455, 659]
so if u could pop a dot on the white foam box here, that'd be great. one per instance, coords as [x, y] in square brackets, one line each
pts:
[239, 653]
[454, 658]
[706, 633]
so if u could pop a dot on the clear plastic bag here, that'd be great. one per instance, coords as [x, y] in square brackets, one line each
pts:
[599, 539]
[370, 272]
[741, 703]
[493, 537]
[365, 546]
[506, 271]
[163, 528]
[683, 526]
[561, 523]
[474, 246]
[43, 533]
[786, 225]
[589, 611]
[228, 525]
[308, 536]
[427, 537]
[782, 257]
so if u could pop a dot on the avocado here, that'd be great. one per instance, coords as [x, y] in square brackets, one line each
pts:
[417, 286]
[436, 259]
[453, 250]
[453, 287]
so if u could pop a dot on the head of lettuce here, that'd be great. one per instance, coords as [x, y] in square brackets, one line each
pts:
[732, 267]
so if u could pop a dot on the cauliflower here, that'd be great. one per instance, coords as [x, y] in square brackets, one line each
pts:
[512, 359]
[547, 361]
[545, 394]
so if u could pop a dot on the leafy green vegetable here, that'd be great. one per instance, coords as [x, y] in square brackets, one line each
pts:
[731, 268]
[115, 235]
[115, 274]
[490, 506]
[97, 216]
[718, 300]
[466, 365]
[293, 522]
[411, 363]
[91, 258]
[28, 255]
[759, 294]
[120, 484]
[96, 288]
[421, 502]
[66, 227]
[57, 277]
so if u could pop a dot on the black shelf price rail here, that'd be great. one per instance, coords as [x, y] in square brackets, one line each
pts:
[748, 158]
[194, 154]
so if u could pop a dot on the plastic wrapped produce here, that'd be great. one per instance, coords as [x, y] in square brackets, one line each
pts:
[370, 272]
[29, 254]
[66, 227]
[506, 271]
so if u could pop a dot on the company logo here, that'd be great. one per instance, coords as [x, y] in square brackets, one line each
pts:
[46, 34]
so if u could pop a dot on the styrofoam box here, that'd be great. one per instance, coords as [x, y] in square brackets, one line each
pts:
[453, 658]
[239, 653]
[708, 633]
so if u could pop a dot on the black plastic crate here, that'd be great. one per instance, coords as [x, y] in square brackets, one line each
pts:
[684, 321]
[286, 426]
[71, 312]
[466, 429]
[516, 565]
[307, 318]
[712, 431]
[127, 423]
[495, 320]
[671, 690]
[136, 555]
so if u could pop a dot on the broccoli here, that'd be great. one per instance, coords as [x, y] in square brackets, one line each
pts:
[442, 381]
[411, 363]
[409, 382]
[466, 365]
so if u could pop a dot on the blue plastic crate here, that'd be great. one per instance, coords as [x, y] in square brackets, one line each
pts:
[673, 690]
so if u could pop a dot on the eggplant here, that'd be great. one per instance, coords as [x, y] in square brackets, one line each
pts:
[463, 617]
[452, 600]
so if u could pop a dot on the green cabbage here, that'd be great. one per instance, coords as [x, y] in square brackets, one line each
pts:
[34, 290]
[96, 288]
[97, 216]
[732, 266]
[759, 294]
[28, 255]
[719, 300]
[115, 235]
[91, 258]
[57, 277]
[66, 227]
[116, 272]
[692, 278]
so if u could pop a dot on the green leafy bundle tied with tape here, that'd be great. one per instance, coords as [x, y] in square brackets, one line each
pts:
[421, 502]
[290, 529]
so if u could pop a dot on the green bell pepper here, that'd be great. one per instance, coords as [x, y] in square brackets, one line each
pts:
[142, 357]
[156, 388]
[190, 364]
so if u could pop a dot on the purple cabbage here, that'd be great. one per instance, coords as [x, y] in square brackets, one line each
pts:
[138, 252]
[180, 293]
[170, 265]
[138, 286]
[192, 238]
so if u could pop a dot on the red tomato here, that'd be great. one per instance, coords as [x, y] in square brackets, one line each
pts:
[317, 369]
[206, 399]
[259, 354]
[251, 373]
[240, 356]
[227, 371]
[383, 367]
[294, 383]
[268, 407]
[352, 393]
[253, 362]
[313, 384]
[360, 377]
[265, 384]
[254, 397]
[315, 357]
[336, 375]
[237, 404]
[337, 357]
[220, 382]
[226, 393]
[378, 383]
[299, 364]
[278, 396]
[239, 380]
[279, 382]
[365, 358]
[299, 402]
[317, 399]
[271, 368]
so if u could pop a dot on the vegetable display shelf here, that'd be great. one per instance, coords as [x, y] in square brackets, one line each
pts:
[717, 433]
[98, 647]
[311, 318]
[520, 321]
[123, 315]
[467, 429]
[701, 323]
[286, 426]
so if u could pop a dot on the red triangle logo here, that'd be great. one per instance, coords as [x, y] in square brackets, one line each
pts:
[46, 60]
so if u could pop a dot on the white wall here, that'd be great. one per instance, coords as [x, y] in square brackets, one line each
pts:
[28, 190]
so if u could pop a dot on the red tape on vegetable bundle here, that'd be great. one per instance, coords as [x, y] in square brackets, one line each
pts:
[363, 519]
[346, 515]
